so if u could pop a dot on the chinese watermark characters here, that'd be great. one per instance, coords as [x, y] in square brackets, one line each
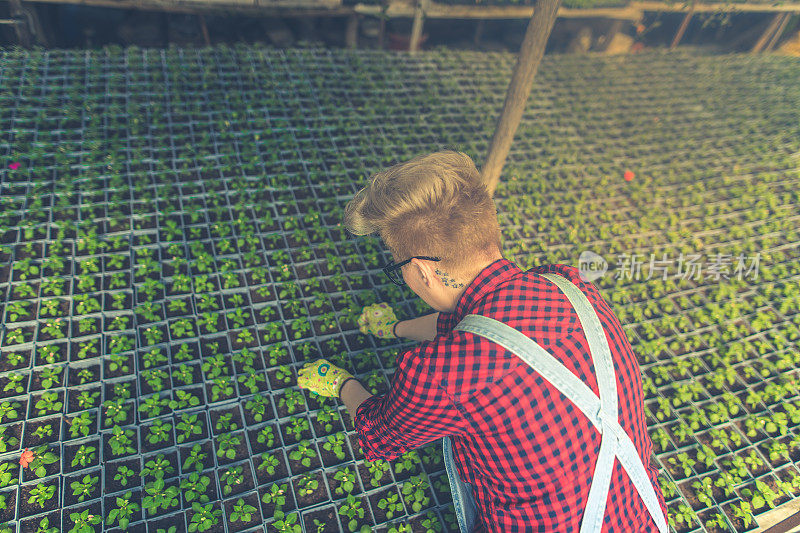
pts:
[685, 266]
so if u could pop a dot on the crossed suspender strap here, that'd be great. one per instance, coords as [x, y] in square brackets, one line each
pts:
[602, 411]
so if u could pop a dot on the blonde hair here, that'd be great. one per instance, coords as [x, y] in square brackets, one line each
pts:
[434, 205]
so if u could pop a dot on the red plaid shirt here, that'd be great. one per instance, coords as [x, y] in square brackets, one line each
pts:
[528, 451]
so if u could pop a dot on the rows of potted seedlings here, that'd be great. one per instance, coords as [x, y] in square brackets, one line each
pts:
[171, 253]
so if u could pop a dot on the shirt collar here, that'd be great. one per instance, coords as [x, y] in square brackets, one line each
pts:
[484, 283]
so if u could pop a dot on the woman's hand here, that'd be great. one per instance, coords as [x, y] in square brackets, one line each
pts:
[322, 378]
[379, 320]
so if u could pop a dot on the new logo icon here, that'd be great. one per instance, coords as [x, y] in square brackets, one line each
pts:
[591, 266]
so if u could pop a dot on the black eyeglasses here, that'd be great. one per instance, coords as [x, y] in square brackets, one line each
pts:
[392, 270]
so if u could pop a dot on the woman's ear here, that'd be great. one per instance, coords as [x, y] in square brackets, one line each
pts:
[424, 271]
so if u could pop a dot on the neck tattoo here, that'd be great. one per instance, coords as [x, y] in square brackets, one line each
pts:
[447, 280]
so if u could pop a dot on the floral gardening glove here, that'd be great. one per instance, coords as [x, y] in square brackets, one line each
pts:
[322, 378]
[378, 319]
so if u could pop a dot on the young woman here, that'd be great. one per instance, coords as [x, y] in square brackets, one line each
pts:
[527, 376]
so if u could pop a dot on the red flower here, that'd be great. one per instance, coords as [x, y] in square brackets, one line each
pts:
[628, 175]
[26, 458]
[13, 166]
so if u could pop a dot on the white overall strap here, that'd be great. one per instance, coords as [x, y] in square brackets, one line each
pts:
[607, 386]
[619, 443]
[621, 446]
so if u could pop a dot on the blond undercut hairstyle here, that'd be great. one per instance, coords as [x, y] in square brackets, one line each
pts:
[433, 205]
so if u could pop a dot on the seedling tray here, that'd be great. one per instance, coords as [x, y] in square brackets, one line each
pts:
[171, 254]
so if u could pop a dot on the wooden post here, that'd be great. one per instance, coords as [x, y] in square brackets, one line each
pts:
[34, 24]
[351, 31]
[747, 35]
[719, 32]
[21, 27]
[382, 33]
[204, 29]
[762, 41]
[606, 39]
[478, 31]
[682, 28]
[778, 32]
[416, 27]
[530, 55]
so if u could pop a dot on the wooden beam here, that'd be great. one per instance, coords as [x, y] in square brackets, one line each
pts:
[777, 37]
[406, 9]
[681, 30]
[221, 7]
[416, 27]
[632, 11]
[792, 7]
[533, 47]
[629, 12]
[762, 41]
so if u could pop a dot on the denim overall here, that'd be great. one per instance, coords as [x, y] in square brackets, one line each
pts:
[602, 412]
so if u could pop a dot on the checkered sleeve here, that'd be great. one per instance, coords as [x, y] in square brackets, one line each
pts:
[445, 323]
[415, 411]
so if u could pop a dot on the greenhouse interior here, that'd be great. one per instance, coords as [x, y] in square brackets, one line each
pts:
[174, 256]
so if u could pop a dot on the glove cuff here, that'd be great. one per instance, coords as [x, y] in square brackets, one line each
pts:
[339, 393]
